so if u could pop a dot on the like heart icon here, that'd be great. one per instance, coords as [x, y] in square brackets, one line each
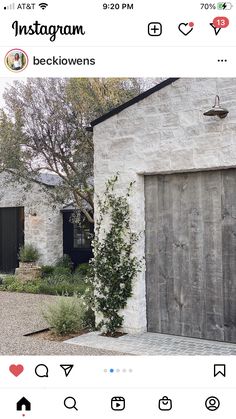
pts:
[16, 369]
[186, 28]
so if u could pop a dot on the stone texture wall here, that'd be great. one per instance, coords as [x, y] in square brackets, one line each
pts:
[43, 223]
[164, 133]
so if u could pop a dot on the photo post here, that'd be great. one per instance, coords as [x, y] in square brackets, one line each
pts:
[117, 209]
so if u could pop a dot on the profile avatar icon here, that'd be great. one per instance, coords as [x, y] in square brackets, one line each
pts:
[16, 60]
[212, 403]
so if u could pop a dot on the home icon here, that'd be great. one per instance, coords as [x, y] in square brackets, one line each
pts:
[23, 403]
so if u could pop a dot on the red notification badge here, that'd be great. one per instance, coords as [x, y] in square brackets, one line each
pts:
[221, 22]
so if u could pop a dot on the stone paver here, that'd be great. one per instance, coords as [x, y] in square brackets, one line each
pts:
[154, 344]
[20, 314]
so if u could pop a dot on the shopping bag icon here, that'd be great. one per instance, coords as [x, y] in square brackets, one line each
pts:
[165, 403]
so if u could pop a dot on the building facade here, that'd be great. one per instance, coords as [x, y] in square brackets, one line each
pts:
[27, 216]
[183, 203]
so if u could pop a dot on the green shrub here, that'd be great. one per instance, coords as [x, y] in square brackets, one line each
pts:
[61, 289]
[49, 285]
[47, 270]
[82, 269]
[59, 275]
[28, 253]
[89, 319]
[62, 271]
[65, 262]
[12, 284]
[65, 316]
[8, 280]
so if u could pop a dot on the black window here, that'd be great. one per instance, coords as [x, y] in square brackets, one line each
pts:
[82, 236]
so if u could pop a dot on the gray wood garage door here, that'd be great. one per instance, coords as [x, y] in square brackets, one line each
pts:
[191, 254]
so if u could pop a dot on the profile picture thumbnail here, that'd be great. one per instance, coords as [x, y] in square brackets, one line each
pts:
[16, 60]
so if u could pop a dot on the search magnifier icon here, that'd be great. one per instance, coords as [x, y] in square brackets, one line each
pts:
[70, 403]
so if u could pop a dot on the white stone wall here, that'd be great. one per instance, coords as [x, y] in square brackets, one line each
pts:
[164, 133]
[43, 223]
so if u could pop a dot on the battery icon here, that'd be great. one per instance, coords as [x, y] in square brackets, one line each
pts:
[224, 6]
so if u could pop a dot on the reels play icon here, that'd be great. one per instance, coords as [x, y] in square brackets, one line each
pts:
[118, 403]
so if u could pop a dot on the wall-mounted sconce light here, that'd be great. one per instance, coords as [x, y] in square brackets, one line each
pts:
[217, 110]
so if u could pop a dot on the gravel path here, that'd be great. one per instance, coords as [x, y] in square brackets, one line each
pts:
[20, 314]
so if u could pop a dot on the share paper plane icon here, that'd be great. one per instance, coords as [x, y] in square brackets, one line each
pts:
[67, 368]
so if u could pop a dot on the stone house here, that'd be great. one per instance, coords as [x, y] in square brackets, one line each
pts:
[184, 202]
[27, 216]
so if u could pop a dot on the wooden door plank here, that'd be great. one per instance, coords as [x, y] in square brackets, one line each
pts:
[152, 285]
[212, 251]
[229, 251]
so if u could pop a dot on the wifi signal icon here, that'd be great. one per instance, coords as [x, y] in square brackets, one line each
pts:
[43, 5]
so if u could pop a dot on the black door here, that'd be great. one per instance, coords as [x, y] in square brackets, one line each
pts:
[77, 239]
[11, 237]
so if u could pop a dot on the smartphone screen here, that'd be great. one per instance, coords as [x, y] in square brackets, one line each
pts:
[117, 209]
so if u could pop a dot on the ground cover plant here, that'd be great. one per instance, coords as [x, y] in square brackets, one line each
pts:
[58, 280]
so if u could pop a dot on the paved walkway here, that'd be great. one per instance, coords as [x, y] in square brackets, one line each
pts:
[154, 344]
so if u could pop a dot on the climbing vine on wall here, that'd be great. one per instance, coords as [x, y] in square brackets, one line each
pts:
[114, 266]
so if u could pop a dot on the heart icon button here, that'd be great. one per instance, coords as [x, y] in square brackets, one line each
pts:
[16, 369]
[186, 28]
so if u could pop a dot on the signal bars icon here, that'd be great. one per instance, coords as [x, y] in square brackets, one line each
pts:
[10, 7]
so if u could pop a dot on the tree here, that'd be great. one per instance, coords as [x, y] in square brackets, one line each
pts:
[43, 129]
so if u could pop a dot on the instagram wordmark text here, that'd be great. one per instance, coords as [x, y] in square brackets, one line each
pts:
[52, 30]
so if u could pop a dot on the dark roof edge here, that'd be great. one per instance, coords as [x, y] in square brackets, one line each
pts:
[131, 102]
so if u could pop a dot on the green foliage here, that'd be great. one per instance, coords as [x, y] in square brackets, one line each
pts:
[47, 270]
[82, 270]
[62, 272]
[114, 266]
[28, 253]
[43, 126]
[53, 285]
[12, 284]
[89, 319]
[61, 288]
[65, 316]
[92, 97]
[8, 280]
[64, 262]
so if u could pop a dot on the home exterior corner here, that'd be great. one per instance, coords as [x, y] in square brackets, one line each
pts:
[27, 216]
[183, 164]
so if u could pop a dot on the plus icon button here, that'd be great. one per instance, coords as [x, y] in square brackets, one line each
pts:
[154, 29]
